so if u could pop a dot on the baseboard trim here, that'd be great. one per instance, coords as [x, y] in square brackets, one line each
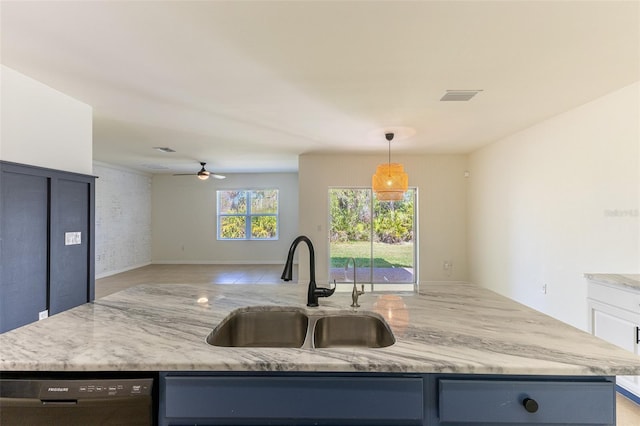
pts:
[217, 262]
[628, 394]
[119, 271]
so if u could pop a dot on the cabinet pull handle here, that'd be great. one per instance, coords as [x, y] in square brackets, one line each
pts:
[530, 405]
[637, 334]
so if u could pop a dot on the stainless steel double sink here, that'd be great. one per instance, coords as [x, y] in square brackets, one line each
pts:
[293, 327]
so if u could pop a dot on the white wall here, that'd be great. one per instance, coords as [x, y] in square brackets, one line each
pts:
[123, 219]
[43, 127]
[184, 220]
[441, 207]
[558, 200]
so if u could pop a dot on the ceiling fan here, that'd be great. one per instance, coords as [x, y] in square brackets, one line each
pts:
[203, 174]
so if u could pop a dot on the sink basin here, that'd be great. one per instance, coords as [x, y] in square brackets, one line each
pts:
[291, 327]
[362, 330]
[266, 327]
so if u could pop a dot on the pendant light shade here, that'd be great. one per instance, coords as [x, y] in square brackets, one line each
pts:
[390, 181]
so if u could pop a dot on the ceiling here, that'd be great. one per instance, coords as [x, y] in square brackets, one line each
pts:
[247, 86]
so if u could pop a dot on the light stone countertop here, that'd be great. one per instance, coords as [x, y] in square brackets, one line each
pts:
[625, 281]
[455, 328]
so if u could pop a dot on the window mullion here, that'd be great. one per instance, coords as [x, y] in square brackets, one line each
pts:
[371, 234]
[248, 216]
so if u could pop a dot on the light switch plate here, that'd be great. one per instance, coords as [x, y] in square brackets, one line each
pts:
[72, 238]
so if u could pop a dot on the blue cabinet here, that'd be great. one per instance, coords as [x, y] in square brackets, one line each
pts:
[47, 248]
[291, 399]
[505, 402]
[207, 398]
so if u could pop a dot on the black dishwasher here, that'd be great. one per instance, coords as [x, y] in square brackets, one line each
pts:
[68, 402]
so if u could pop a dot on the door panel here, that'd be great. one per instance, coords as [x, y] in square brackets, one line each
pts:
[70, 246]
[24, 251]
[393, 247]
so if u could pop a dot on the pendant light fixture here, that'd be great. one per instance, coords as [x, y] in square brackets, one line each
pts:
[390, 181]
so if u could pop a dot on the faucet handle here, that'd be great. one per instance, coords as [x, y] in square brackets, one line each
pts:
[355, 294]
[325, 292]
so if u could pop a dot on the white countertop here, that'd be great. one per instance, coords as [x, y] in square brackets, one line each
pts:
[628, 281]
[456, 328]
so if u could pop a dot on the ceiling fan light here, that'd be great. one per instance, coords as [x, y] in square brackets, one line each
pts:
[390, 182]
[203, 174]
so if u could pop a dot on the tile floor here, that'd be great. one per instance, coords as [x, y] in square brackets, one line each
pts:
[192, 274]
[628, 412]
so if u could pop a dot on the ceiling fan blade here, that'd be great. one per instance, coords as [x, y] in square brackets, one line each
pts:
[203, 174]
[213, 175]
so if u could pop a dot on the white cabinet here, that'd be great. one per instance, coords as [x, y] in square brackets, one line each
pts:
[614, 316]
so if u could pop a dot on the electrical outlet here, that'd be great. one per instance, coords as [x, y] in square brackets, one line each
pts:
[447, 266]
[42, 315]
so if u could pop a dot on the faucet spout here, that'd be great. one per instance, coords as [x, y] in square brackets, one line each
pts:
[346, 268]
[314, 292]
[287, 273]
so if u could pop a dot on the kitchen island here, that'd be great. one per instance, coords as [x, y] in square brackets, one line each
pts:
[454, 342]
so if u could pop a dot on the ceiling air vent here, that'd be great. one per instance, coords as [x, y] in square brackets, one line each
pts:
[163, 149]
[459, 95]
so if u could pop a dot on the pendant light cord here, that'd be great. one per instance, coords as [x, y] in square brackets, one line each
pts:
[389, 137]
[389, 161]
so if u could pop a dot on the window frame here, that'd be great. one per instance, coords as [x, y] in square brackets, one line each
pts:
[247, 215]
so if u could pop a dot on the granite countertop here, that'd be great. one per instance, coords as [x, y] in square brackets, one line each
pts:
[627, 281]
[454, 327]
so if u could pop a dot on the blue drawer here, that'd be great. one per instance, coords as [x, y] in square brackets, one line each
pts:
[500, 402]
[310, 400]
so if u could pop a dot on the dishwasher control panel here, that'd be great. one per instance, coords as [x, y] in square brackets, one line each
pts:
[57, 390]
[83, 389]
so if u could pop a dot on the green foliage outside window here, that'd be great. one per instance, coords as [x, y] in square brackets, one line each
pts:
[351, 217]
[232, 202]
[264, 201]
[393, 222]
[233, 227]
[263, 227]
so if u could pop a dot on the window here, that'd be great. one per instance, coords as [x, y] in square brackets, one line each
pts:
[248, 214]
[379, 236]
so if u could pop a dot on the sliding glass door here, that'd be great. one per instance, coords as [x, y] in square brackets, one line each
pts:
[379, 236]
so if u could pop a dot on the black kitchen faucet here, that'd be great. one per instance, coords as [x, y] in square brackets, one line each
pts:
[314, 292]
